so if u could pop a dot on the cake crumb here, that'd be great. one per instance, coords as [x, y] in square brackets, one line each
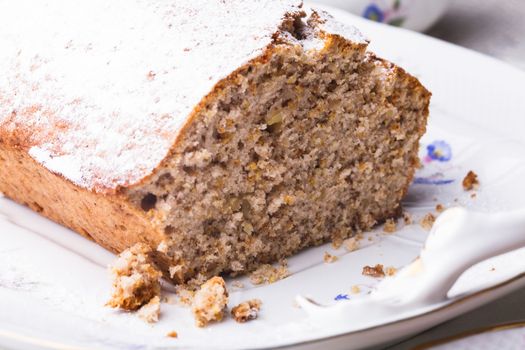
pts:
[351, 244]
[151, 311]
[209, 302]
[428, 221]
[355, 289]
[389, 226]
[162, 247]
[172, 334]
[470, 182]
[337, 242]
[473, 195]
[390, 271]
[329, 258]
[237, 284]
[269, 274]
[407, 218]
[185, 296]
[374, 271]
[246, 311]
[440, 208]
[136, 281]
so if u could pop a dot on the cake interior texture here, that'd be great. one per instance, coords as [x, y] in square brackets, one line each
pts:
[311, 138]
[305, 146]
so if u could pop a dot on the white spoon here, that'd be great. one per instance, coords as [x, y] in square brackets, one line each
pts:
[459, 239]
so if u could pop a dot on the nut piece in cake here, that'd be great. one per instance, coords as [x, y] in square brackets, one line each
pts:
[470, 182]
[136, 281]
[209, 302]
[374, 271]
[246, 311]
[151, 311]
[428, 221]
[269, 274]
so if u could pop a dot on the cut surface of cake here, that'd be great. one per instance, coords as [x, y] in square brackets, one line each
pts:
[230, 133]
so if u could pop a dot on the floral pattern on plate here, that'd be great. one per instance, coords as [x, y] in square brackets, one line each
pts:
[385, 12]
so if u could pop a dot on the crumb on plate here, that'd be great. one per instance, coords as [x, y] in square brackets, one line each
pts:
[172, 334]
[428, 221]
[246, 311]
[374, 271]
[185, 295]
[351, 244]
[151, 311]
[329, 258]
[209, 302]
[237, 284]
[470, 182]
[136, 280]
[440, 207]
[355, 289]
[390, 271]
[407, 218]
[389, 226]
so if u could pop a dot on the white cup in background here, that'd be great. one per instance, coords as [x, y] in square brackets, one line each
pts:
[411, 14]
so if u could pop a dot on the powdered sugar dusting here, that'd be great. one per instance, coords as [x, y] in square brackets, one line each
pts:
[329, 25]
[66, 164]
[324, 22]
[99, 89]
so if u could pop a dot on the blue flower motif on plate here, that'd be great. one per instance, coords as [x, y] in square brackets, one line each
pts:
[374, 13]
[438, 150]
[432, 180]
[341, 297]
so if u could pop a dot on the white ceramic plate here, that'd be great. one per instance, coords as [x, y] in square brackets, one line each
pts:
[53, 283]
[509, 337]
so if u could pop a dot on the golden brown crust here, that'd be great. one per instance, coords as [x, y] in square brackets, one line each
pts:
[107, 219]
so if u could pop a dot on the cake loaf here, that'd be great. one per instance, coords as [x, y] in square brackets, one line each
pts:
[223, 134]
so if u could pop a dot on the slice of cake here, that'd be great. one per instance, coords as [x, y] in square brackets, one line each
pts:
[229, 133]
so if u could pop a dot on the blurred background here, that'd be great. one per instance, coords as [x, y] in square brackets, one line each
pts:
[493, 27]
